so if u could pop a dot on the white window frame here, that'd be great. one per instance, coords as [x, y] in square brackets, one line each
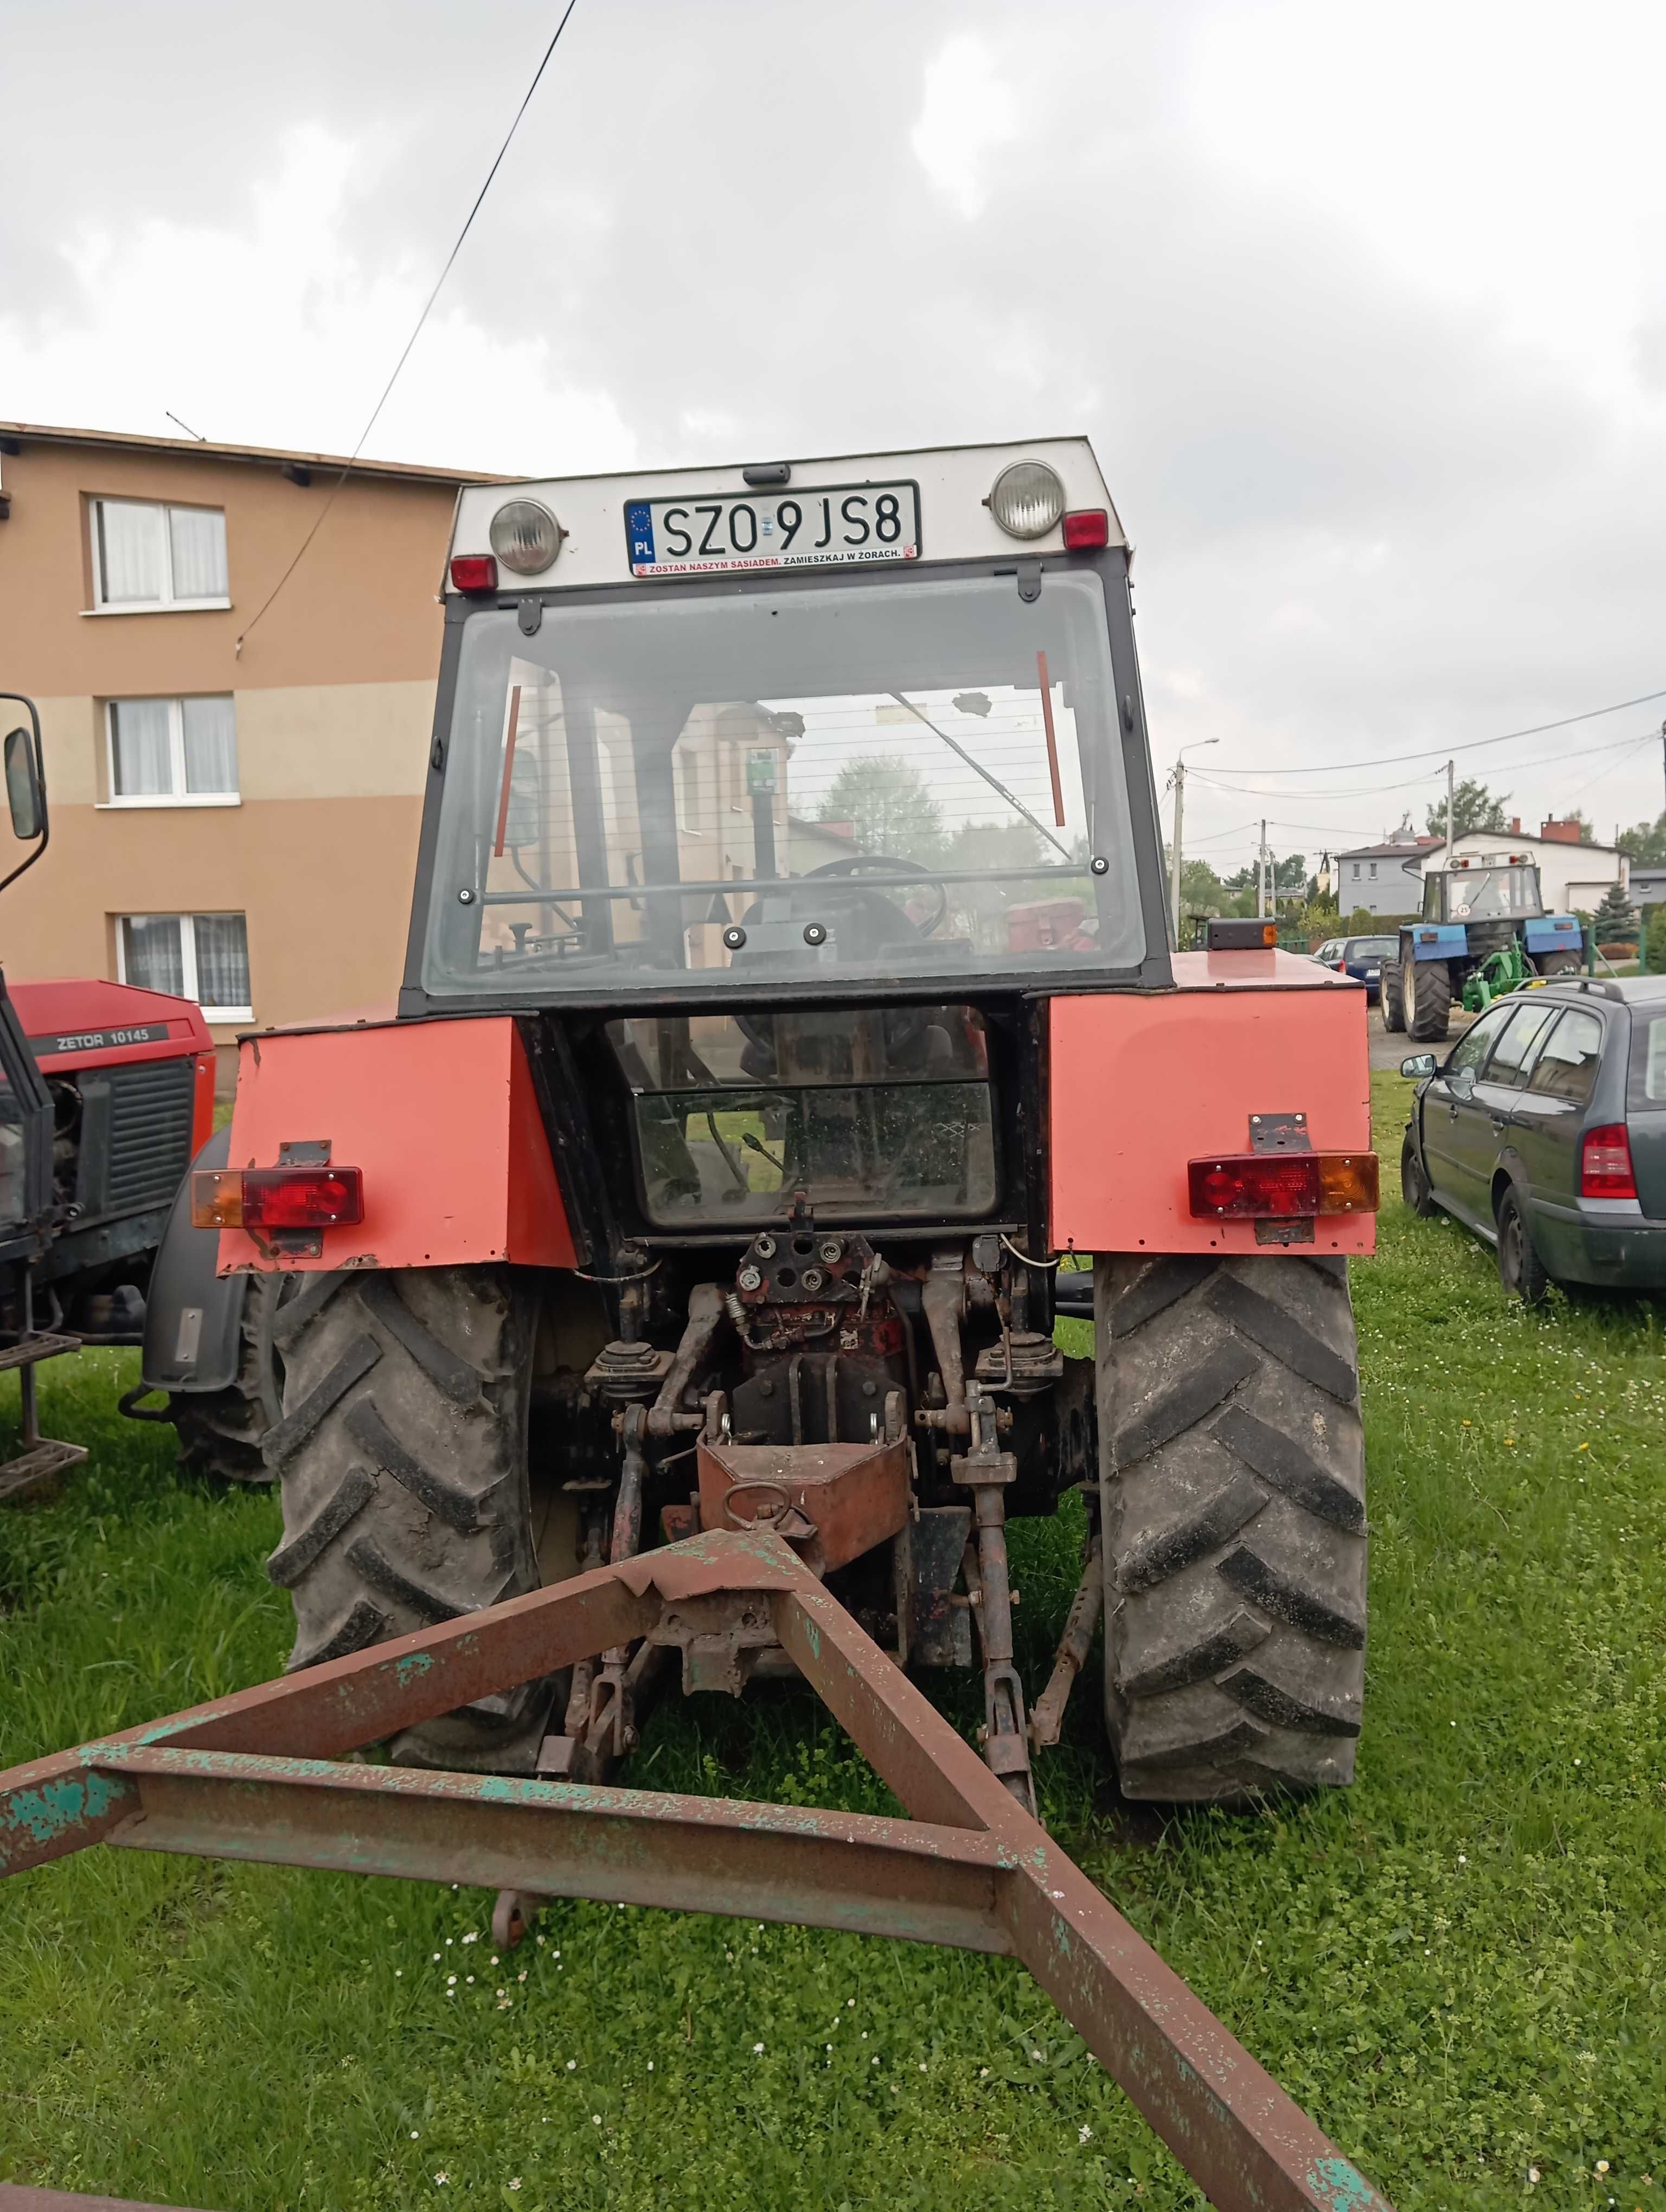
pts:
[176, 749]
[168, 603]
[187, 958]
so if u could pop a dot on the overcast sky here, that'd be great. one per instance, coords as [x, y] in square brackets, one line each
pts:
[1363, 306]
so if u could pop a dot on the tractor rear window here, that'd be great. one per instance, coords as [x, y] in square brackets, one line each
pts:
[879, 1113]
[689, 790]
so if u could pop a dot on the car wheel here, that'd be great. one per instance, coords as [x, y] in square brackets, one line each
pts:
[1520, 1268]
[1414, 1183]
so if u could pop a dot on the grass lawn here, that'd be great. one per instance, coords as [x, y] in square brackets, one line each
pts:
[1459, 1967]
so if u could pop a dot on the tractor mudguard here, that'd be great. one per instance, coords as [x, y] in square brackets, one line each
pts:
[1144, 1082]
[442, 1120]
[193, 1316]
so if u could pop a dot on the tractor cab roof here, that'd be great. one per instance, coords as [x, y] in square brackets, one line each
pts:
[844, 510]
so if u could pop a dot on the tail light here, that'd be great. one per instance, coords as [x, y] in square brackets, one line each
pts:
[473, 571]
[1605, 1162]
[1086, 529]
[1275, 1185]
[1341, 967]
[306, 1198]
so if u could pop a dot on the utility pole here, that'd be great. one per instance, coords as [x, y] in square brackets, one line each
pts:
[1261, 873]
[1451, 776]
[1179, 810]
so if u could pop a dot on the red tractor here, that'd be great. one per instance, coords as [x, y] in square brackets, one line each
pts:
[107, 1092]
[789, 1009]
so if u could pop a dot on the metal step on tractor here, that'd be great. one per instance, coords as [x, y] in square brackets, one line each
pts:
[106, 1092]
[1485, 932]
[672, 1285]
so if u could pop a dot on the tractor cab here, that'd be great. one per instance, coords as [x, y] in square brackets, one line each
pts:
[1483, 889]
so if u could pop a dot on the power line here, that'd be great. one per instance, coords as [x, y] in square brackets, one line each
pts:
[416, 331]
[1473, 744]
[1415, 782]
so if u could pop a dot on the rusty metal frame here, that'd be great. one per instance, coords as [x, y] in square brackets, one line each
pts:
[257, 1776]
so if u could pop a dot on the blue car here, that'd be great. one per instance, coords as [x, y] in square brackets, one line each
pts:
[1361, 958]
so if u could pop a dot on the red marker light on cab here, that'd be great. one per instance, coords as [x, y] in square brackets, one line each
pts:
[1086, 529]
[473, 571]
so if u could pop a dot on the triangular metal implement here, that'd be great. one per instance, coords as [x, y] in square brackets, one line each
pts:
[259, 1776]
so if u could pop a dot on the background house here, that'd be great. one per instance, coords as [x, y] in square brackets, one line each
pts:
[236, 825]
[1382, 878]
[1571, 875]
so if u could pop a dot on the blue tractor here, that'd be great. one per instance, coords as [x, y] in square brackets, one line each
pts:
[1485, 932]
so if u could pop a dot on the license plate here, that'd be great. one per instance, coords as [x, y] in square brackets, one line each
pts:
[831, 526]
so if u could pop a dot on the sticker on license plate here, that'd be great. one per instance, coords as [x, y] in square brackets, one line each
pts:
[832, 527]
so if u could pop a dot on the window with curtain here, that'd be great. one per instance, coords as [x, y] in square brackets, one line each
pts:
[204, 956]
[171, 751]
[150, 556]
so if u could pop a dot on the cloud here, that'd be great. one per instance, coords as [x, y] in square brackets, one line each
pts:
[968, 110]
[1363, 308]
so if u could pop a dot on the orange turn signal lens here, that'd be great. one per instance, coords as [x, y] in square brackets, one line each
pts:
[267, 1199]
[1277, 1185]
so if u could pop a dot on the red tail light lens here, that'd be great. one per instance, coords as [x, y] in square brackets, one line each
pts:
[276, 1198]
[474, 572]
[1275, 1186]
[1605, 1162]
[1086, 529]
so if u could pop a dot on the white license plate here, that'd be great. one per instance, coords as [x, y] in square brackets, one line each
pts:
[829, 526]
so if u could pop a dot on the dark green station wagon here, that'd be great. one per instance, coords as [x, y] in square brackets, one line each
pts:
[1544, 1131]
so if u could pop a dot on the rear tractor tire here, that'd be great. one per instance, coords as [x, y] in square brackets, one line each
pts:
[1234, 1514]
[1426, 996]
[401, 1456]
[1390, 998]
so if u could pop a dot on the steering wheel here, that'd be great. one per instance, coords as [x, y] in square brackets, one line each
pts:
[896, 865]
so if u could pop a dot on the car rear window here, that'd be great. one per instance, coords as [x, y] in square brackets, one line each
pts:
[1371, 948]
[1648, 1082]
[1513, 1056]
[1567, 1062]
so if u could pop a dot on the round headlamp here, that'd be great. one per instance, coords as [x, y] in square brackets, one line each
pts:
[1028, 498]
[526, 536]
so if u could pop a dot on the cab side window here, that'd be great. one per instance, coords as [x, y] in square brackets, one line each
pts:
[1567, 1062]
[1472, 1047]
[1514, 1055]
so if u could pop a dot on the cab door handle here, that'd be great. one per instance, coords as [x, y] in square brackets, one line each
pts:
[1499, 1121]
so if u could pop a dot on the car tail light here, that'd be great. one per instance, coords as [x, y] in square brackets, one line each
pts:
[1266, 1186]
[1341, 967]
[307, 1198]
[1086, 528]
[473, 571]
[1605, 1162]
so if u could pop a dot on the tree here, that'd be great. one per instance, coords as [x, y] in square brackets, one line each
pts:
[1615, 920]
[1473, 807]
[1201, 889]
[1645, 843]
[1657, 940]
[885, 798]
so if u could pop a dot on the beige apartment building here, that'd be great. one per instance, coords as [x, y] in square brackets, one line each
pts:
[235, 821]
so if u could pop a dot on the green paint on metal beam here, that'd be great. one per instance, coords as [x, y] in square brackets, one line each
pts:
[412, 1667]
[1340, 2187]
[52, 1812]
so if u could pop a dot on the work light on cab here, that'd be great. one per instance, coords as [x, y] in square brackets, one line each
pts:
[307, 1198]
[1028, 498]
[526, 536]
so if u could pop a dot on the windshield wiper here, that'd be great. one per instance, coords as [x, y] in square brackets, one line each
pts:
[994, 781]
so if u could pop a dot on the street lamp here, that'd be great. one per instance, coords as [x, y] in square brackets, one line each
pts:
[1196, 745]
